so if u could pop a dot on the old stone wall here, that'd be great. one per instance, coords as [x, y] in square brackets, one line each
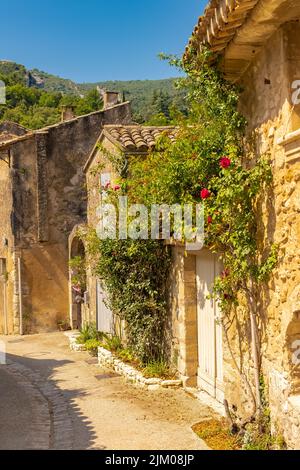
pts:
[9, 130]
[99, 165]
[69, 146]
[6, 247]
[49, 199]
[183, 315]
[267, 103]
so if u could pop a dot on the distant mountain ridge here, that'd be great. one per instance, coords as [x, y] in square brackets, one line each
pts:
[35, 98]
[139, 92]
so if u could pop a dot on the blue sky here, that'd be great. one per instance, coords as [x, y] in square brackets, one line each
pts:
[90, 40]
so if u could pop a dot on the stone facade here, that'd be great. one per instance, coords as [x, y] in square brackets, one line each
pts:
[43, 185]
[119, 141]
[183, 310]
[262, 55]
[272, 116]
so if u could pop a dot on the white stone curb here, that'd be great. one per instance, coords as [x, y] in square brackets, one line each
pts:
[74, 346]
[132, 375]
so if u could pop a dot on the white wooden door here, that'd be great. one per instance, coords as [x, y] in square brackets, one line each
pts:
[3, 298]
[210, 350]
[105, 318]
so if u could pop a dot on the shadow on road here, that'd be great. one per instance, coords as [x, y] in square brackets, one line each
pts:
[32, 402]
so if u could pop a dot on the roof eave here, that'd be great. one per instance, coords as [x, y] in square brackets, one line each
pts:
[238, 29]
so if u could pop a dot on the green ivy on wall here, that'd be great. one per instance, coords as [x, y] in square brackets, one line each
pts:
[135, 273]
[207, 163]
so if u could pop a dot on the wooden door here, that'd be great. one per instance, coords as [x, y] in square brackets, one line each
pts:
[2, 306]
[105, 318]
[3, 297]
[210, 348]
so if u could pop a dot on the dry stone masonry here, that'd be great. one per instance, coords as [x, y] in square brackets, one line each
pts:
[109, 360]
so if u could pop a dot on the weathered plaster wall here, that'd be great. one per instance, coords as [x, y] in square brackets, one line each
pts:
[19, 216]
[102, 165]
[69, 146]
[44, 287]
[98, 165]
[49, 199]
[6, 245]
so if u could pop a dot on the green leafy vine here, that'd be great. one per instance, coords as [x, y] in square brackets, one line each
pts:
[207, 163]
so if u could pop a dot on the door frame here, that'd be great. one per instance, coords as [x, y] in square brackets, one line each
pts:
[3, 299]
[212, 383]
[111, 320]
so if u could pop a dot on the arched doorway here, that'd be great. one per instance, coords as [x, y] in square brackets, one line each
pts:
[78, 280]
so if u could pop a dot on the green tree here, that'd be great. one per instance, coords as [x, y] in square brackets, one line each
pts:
[91, 102]
[50, 100]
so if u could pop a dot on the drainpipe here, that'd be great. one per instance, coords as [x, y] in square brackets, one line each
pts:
[20, 296]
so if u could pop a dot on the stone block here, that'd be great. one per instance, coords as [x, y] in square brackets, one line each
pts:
[171, 383]
[152, 388]
[153, 381]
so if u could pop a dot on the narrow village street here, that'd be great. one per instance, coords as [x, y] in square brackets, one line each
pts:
[150, 229]
[52, 398]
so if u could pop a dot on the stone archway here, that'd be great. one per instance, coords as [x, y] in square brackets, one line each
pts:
[77, 279]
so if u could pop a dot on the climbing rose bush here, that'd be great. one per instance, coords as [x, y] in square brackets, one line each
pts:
[205, 193]
[225, 162]
[206, 164]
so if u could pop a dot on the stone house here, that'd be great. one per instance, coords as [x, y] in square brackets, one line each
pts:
[258, 43]
[128, 141]
[43, 192]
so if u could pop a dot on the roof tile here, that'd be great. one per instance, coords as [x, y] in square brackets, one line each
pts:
[219, 24]
[138, 138]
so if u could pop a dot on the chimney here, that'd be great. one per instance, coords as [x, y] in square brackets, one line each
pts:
[110, 99]
[67, 113]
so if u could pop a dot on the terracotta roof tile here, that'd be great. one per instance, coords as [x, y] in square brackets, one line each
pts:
[219, 24]
[137, 138]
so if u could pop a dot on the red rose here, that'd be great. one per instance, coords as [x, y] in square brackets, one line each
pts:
[225, 273]
[205, 193]
[209, 219]
[117, 187]
[225, 162]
